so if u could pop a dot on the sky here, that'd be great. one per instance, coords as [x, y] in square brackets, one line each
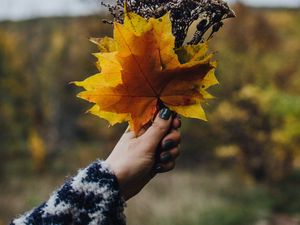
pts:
[25, 9]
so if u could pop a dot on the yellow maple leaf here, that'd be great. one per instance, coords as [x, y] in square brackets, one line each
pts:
[140, 70]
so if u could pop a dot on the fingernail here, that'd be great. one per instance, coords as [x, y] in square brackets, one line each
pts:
[165, 157]
[165, 114]
[158, 168]
[169, 144]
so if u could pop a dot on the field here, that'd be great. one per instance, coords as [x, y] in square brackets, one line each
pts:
[242, 167]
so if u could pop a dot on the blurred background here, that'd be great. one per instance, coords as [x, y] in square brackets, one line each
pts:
[242, 167]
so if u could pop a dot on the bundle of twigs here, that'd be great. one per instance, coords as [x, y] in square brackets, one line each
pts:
[207, 13]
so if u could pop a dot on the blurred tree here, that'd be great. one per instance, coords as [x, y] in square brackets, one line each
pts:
[35, 70]
[267, 141]
[38, 58]
[13, 98]
[37, 149]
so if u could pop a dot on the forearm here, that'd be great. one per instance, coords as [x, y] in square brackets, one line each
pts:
[91, 197]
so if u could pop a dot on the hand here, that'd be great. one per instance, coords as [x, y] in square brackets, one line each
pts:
[136, 160]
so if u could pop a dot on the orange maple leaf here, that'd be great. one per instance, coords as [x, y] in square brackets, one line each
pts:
[140, 70]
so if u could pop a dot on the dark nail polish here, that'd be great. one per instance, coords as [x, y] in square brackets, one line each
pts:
[165, 157]
[158, 168]
[165, 114]
[169, 144]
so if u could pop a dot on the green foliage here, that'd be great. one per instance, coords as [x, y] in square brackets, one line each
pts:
[256, 116]
[287, 194]
[38, 59]
[241, 208]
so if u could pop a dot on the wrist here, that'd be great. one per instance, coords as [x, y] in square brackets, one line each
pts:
[119, 174]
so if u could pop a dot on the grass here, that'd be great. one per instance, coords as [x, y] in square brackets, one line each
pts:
[183, 197]
[198, 197]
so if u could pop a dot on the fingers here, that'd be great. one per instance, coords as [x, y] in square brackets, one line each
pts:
[158, 129]
[176, 124]
[170, 152]
[167, 160]
[129, 134]
[171, 140]
[170, 155]
[164, 168]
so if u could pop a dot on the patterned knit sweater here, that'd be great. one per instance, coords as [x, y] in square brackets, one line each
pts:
[92, 197]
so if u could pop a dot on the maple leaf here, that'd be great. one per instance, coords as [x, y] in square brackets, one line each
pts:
[140, 70]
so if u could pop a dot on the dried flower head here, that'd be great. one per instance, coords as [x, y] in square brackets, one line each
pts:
[207, 13]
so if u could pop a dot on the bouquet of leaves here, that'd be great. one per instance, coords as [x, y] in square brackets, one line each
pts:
[149, 64]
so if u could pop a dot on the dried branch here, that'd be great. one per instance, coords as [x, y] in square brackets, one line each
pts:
[210, 14]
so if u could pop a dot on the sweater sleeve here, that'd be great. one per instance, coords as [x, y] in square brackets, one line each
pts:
[92, 197]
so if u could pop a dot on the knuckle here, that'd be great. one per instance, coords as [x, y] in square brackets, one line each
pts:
[176, 152]
[170, 166]
[160, 127]
[176, 135]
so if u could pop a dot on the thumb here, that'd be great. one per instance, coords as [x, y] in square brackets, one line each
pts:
[158, 129]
